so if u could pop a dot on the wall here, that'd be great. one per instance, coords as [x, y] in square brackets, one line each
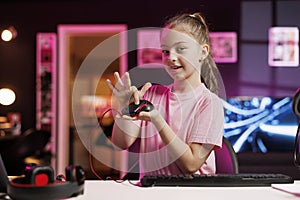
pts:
[251, 75]
[256, 78]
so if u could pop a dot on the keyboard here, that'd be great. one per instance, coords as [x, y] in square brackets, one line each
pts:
[215, 180]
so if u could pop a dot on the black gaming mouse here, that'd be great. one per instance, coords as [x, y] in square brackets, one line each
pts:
[133, 109]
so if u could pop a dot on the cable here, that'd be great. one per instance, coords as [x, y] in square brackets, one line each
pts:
[91, 158]
[91, 165]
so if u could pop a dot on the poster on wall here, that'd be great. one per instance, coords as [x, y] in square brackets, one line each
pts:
[284, 47]
[148, 48]
[224, 46]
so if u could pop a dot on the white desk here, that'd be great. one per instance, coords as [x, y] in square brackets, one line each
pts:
[112, 190]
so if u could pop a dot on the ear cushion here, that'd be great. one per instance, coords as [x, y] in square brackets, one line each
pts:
[40, 175]
[80, 174]
[75, 173]
[37, 175]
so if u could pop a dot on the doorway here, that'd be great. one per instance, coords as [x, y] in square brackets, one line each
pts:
[82, 70]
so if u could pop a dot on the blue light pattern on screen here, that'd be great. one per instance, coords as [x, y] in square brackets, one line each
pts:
[260, 124]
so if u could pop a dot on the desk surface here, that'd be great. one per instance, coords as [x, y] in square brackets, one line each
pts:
[125, 190]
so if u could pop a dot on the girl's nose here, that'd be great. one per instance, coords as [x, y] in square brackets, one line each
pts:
[173, 57]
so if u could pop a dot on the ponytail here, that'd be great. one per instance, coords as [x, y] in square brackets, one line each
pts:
[208, 74]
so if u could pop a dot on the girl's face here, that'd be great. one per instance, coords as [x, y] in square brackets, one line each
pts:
[181, 54]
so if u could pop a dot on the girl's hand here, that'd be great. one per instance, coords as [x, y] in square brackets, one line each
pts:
[147, 116]
[155, 117]
[124, 93]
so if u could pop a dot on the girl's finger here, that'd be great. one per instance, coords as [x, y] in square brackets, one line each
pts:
[145, 88]
[119, 83]
[144, 116]
[127, 80]
[129, 117]
[112, 88]
[136, 95]
[110, 85]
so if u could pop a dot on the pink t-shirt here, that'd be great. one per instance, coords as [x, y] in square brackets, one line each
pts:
[195, 117]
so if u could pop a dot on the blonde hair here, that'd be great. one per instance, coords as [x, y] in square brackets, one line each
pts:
[195, 25]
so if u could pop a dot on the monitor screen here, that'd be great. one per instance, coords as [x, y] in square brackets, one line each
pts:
[260, 124]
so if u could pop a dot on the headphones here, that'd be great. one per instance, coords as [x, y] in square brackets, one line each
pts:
[296, 103]
[38, 183]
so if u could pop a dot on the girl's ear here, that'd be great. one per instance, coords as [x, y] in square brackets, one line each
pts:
[204, 51]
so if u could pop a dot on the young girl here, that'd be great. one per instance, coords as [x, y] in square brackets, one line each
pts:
[180, 134]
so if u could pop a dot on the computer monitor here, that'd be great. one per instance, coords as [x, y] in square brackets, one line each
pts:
[260, 124]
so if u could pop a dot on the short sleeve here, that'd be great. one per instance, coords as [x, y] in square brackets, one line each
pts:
[208, 125]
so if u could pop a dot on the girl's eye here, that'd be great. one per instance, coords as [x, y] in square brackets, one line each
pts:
[179, 49]
[166, 52]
